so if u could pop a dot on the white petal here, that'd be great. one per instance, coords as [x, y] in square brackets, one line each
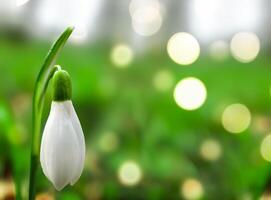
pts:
[60, 152]
[45, 135]
[80, 138]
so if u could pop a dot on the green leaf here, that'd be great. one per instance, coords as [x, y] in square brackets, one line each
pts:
[44, 76]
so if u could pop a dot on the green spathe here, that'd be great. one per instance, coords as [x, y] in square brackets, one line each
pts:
[62, 88]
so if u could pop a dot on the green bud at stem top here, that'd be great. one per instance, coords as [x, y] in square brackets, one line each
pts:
[62, 88]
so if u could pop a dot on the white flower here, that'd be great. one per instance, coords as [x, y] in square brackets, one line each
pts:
[62, 152]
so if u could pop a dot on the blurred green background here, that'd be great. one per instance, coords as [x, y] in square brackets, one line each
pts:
[165, 115]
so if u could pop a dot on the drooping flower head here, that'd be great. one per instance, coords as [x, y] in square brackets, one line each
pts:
[62, 151]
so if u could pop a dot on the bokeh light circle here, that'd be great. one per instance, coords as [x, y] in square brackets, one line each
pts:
[190, 93]
[236, 118]
[146, 21]
[183, 48]
[130, 173]
[210, 150]
[122, 55]
[266, 148]
[245, 46]
[192, 189]
[108, 142]
[219, 50]
[163, 80]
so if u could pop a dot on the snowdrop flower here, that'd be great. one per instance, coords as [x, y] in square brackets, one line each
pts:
[62, 151]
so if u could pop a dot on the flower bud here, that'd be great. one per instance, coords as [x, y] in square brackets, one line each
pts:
[62, 151]
[62, 88]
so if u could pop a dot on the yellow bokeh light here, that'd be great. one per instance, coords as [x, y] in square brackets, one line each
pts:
[219, 50]
[122, 55]
[146, 21]
[265, 196]
[190, 93]
[163, 80]
[183, 48]
[129, 173]
[43, 196]
[266, 148]
[261, 124]
[7, 189]
[192, 189]
[108, 142]
[210, 150]
[236, 118]
[245, 46]
[94, 189]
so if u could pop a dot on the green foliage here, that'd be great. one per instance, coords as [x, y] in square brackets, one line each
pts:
[150, 128]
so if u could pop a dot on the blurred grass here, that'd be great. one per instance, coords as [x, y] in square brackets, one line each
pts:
[150, 127]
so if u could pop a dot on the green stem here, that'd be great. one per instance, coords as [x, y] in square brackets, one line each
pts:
[41, 85]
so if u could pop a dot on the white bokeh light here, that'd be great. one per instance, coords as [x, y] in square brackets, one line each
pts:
[129, 173]
[163, 80]
[210, 150]
[183, 48]
[190, 93]
[236, 118]
[192, 189]
[122, 55]
[146, 21]
[219, 50]
[245, 46]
